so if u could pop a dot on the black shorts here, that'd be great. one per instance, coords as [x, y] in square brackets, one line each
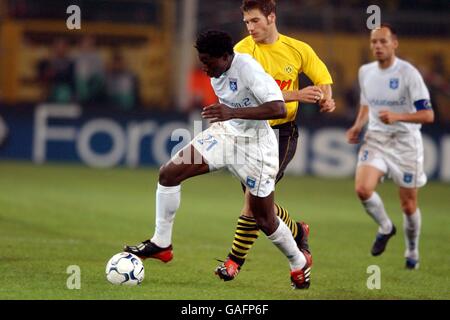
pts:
[287, 145]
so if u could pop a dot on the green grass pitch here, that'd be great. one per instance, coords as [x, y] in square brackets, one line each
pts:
[54, 216]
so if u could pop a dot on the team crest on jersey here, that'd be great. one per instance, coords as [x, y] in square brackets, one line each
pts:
[288, 69]
[393, 83]
[251, 182]
[407, 177]
[233, 84]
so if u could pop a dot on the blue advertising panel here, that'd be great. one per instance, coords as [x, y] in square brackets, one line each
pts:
[102, 139]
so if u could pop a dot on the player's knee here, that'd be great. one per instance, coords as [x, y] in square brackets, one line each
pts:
[266, 225]
[363, 192]
[166, 177]
[247, 210]
[409, 206]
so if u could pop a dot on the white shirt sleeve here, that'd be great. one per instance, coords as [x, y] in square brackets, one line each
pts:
[416, 86]
[261, 84]
[362, 99]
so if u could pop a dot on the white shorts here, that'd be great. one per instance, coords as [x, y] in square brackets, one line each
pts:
[254, 161]
[398, 155]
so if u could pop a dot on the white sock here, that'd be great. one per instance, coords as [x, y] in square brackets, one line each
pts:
[375, 208]
[167, 203]
[411, 227]
[283, 239]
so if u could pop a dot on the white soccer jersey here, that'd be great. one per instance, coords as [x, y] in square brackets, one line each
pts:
[396, 88]
[246, 84]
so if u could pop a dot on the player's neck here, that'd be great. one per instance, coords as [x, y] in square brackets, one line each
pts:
[385, 64]
[271, 38]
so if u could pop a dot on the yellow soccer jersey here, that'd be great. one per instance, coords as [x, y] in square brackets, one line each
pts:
[284, 60]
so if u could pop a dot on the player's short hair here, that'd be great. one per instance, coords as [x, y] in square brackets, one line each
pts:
[215, 43]
[265, 6]
[390, 27]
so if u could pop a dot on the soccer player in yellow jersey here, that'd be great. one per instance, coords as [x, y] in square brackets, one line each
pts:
[284, 58]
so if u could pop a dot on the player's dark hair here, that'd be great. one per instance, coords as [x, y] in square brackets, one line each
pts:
[390, 27]
[265, 6]
[215, 43]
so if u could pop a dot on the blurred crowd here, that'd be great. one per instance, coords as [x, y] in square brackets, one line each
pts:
[140, 12]
[80, 72]
[438, 82]
[80, 75]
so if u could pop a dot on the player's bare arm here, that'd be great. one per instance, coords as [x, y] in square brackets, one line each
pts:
[360, 122]
[309, 94]
[313, 94]
[422, 117]
[326, 102]
[221, 112]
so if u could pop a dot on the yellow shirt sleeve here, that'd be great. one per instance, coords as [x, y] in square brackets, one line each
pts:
[312, 66]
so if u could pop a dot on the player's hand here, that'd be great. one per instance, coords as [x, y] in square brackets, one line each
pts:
[353, 135]
[387, 117]
[311, 94]
[217, 112]
[327, 105]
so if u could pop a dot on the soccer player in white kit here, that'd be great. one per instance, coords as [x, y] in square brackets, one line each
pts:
[239, 139]
[395, 102]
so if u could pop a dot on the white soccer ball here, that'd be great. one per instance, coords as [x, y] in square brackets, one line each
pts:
[125, 268]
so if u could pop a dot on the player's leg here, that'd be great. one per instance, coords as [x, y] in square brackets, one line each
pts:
[366, 180]
[412, 221]
[280, 235]
[171, 175]
[287, 146]
[408, 174]
[246, 231]
[288, 138]
[245, 235]
[168, 195]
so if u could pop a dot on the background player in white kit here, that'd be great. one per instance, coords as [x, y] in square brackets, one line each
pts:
[395, 101]
[241, 140]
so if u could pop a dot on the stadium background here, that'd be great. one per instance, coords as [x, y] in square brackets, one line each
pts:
[110, 95]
